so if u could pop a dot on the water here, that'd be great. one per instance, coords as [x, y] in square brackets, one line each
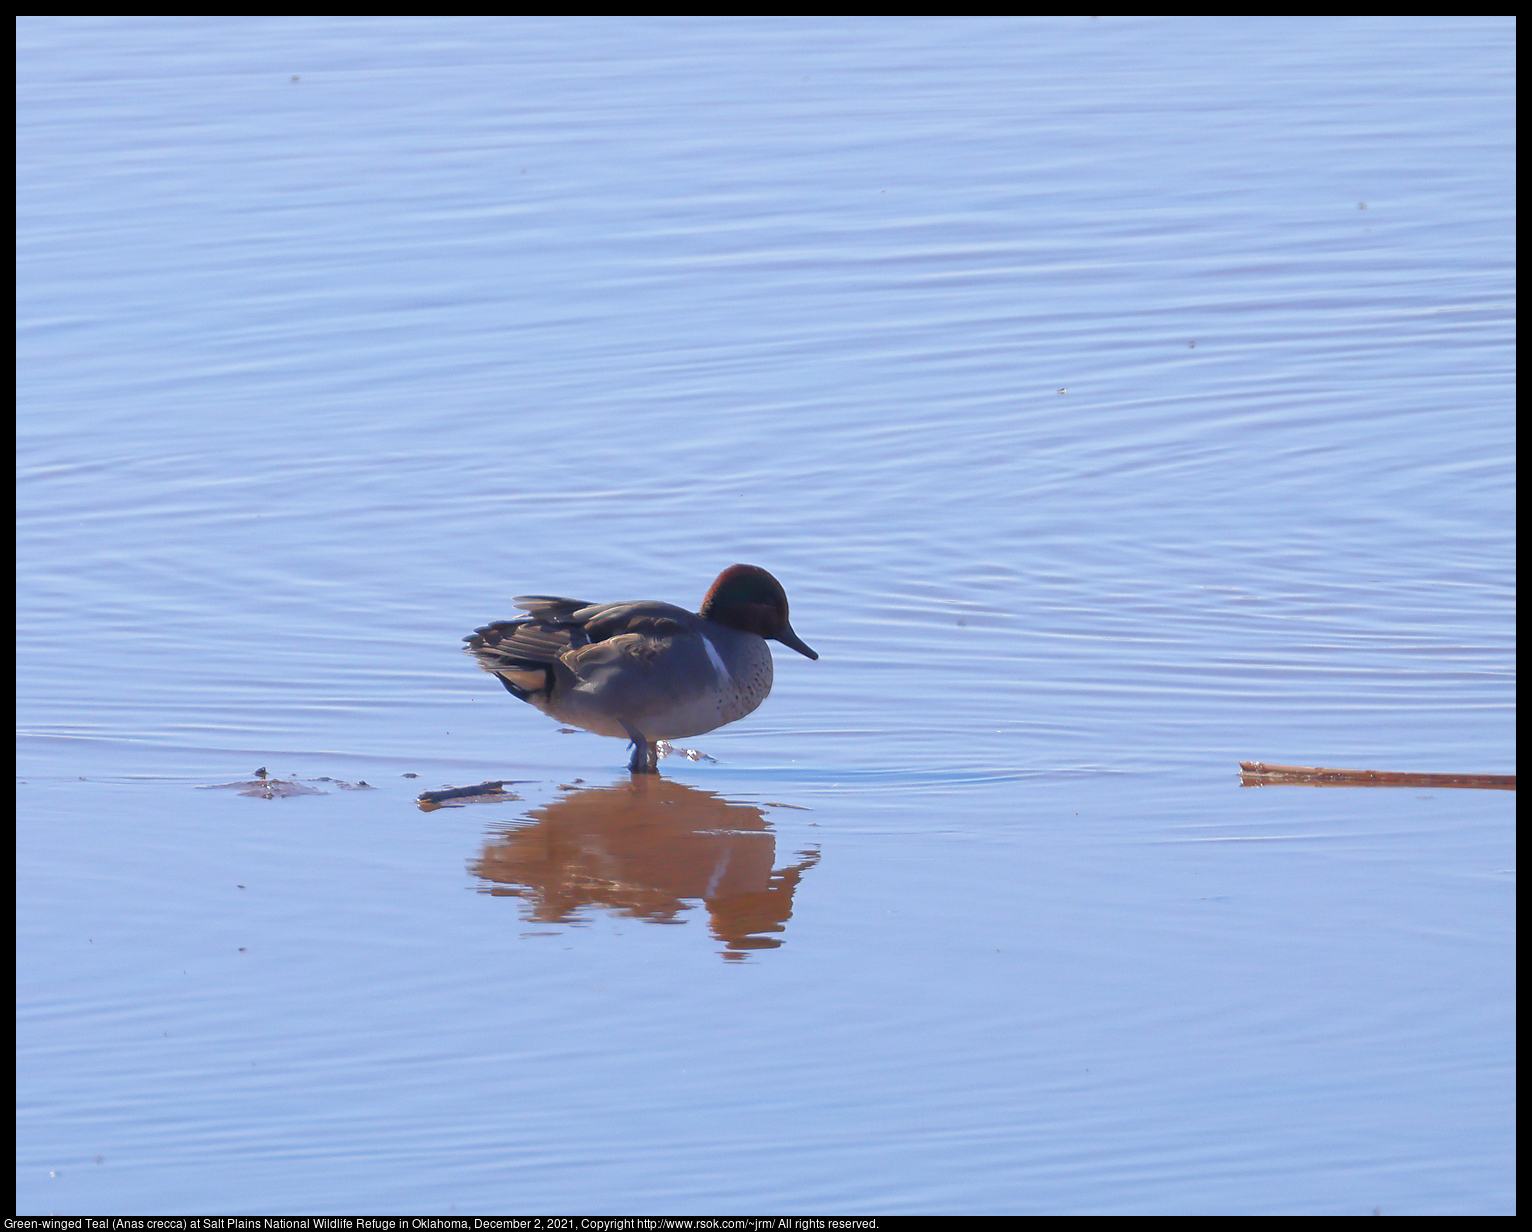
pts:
[1116, 399]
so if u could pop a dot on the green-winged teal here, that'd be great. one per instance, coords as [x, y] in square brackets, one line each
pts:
[643, 670]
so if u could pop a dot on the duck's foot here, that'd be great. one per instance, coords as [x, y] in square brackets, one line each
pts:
[646, 757]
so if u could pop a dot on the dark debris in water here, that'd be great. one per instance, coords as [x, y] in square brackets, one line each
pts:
[264, 787]
[480, 793]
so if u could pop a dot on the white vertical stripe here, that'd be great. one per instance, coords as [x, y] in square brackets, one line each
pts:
[712, 653]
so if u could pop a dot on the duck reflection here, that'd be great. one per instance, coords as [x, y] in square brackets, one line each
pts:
[648, 848]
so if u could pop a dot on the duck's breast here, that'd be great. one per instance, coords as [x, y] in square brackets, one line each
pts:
[738, 677]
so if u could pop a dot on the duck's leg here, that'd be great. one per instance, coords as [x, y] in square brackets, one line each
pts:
[646, 757]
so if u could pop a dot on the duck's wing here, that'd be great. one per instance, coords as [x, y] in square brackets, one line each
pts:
[551, 607]
[529, 641]
[569, 638]
[522, 652]
[647, 617]
[522, 642]
[552, 625]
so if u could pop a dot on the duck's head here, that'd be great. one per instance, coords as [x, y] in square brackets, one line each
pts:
[748, 598]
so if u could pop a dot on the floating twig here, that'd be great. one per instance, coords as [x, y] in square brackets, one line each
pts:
[1260, 774]
[479, 792]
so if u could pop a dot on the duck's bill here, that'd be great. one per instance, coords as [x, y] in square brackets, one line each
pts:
[788, 638]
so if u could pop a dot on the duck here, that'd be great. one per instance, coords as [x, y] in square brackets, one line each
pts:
[643, 670]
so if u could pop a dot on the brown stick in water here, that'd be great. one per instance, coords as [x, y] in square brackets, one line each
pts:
[1260, 774]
